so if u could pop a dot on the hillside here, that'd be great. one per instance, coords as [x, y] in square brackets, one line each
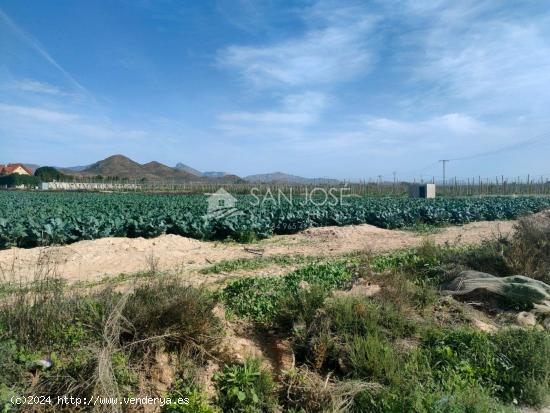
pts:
[281, 177]
[182, 167]
[123, 167]
[165, 172]
[116, 165]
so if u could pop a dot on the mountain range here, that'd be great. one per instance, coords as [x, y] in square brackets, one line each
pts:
[281, 177]
[123, 167]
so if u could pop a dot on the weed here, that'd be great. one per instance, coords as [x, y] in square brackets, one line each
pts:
[300, 308]
[260, 299]
[173, 314]
[371, 357]
[197, 399]
[306, 391]
[529, 252]
[256, 263]
[510, 364]
[97, 342]
[245, 388]
[334, 339]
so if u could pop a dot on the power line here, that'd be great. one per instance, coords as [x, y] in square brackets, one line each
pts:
[516, 145]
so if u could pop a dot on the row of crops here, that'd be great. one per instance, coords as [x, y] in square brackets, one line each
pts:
[29, 219]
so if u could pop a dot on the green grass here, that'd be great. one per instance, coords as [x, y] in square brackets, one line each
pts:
[256, 263]
[386, 353]
[422, 228]
[512, 364]
[81, 332]
[452, 369]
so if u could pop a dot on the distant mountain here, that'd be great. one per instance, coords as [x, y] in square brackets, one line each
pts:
[225, 179]
[208, 174]
[76, 168]
[214, 174]
[32, 166]
[119, 166]
[163, 171]
[123, 167]
[281, 177]
[182, 167]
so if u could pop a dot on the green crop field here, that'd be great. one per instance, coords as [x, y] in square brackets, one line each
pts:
[29, 219]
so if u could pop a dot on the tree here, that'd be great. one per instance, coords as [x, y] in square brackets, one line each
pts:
[48, 174]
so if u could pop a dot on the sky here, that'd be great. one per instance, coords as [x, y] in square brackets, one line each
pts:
[344, 89]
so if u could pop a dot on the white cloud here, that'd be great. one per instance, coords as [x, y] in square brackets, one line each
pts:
[37, 114]
[34, 86]
[456, 124]
[296, 111]
[483, 55]
[31, 121]
[38, 48]
[336, 47]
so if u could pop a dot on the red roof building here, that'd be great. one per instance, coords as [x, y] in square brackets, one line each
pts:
[14, 168]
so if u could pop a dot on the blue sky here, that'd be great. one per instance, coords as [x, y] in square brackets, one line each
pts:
[313, 88]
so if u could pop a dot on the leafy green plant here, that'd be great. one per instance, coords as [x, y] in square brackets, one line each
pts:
[261, 298]
[197, 400]
[41, 218]
[245, 388]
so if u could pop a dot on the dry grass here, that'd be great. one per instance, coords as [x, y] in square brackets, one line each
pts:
[305, 389]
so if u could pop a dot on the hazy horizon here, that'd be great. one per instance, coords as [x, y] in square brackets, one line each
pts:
[346, 89]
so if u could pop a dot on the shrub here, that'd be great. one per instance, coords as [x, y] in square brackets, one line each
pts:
[335, 339]
[98, 339]
[510, 364]
[300, 308]
[245, 388]
[170, 313]
[372, 358]
[529, 252]
[526, 376]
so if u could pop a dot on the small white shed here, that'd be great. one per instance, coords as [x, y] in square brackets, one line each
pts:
[422, 190]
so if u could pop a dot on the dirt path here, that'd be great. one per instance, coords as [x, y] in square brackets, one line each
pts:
[94, 260]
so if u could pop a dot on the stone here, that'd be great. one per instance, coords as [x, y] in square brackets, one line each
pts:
[526, 319]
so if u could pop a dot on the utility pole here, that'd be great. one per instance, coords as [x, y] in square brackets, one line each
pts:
[444, 162]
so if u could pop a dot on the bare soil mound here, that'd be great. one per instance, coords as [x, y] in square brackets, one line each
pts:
[93, 260]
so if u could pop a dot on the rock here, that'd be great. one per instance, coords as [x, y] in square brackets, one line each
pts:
[447, 299]
[483, 326]
[362, 288]
[304, 285]
[526, 319]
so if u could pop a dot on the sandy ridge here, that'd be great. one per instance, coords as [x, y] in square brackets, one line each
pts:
[93, 260]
